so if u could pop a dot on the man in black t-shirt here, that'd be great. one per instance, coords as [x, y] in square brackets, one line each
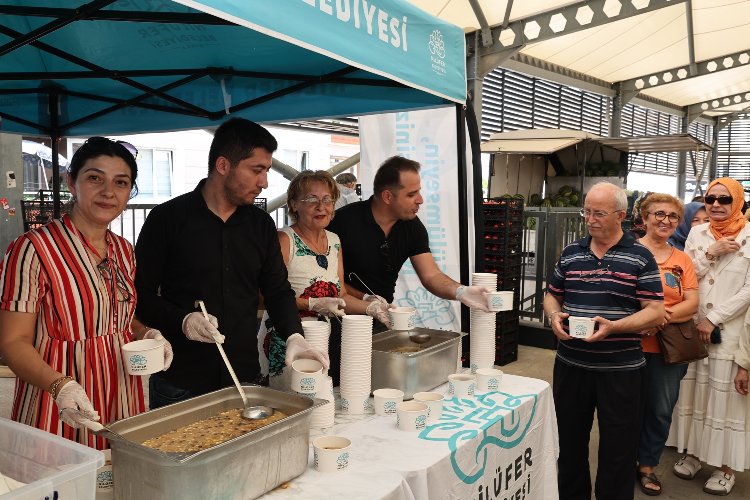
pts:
[379, 234]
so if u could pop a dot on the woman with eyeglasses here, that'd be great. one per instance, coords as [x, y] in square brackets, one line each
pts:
[67, 304]
[661, 214]
[314, 261]
[712, 421]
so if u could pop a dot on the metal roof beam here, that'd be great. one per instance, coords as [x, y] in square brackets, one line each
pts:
[570, 19]
[117, 15]
[719, 103]
[483, 24]
[681, 73]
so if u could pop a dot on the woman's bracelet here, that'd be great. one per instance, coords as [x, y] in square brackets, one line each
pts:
[55, 386]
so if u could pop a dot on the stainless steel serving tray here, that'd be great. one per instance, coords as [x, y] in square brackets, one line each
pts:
[414, 372]
[244, 467]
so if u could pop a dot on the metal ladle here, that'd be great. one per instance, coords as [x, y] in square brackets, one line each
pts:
[256, 412]
[418, 338]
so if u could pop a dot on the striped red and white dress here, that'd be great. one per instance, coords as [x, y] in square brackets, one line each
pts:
[84, 316]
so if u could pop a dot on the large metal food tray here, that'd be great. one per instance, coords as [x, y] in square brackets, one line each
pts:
[418, 371]
[243, 467]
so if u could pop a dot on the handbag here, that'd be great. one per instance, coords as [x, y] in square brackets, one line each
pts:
[681, 343]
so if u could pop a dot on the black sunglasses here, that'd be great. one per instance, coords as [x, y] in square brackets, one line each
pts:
[128, 147]
[386, 254]
[723, 199]
[118, 282]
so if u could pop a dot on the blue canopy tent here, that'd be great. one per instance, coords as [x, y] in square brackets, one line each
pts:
[126, 66]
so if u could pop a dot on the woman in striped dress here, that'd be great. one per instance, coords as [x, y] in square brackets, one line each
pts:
[67, 301]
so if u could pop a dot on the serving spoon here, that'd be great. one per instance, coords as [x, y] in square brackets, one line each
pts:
[256, 412]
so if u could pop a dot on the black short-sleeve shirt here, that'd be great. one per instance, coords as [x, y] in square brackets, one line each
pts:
[365, 251]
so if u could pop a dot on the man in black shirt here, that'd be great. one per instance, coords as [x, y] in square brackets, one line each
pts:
[379, 234]
[213, 245]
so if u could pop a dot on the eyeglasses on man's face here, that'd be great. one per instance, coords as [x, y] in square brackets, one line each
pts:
[660, 215]
[722, 199]
[596, 214]
[314, 201]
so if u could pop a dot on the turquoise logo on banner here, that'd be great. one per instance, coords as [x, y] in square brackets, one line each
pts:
[431, 310]
[485, 416]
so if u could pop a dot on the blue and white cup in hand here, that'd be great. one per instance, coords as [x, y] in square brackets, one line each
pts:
[386, 400]
[307, 376]
[462, 385]
[411, 415]
[434, 402]
[143, 357]
[500, 301]
[580, 327]
[332, 453]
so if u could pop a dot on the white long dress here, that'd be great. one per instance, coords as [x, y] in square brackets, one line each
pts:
[710, 419]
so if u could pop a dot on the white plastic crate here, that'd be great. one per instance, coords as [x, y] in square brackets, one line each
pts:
[52, 467]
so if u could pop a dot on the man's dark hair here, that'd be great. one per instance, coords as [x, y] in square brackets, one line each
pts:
[236, 139]
[388, 176]
[346, 178]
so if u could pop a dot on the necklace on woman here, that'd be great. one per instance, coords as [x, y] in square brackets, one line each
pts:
[661, 253]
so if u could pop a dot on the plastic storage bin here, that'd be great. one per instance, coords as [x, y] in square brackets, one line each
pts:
[52, 467]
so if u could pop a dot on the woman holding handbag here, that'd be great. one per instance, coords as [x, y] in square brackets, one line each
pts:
[661, 213]
[712, 422]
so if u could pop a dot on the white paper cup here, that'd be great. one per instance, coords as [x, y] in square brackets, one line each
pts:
[488, 379]
[386, 400]
[105, 484]
[411, 415]
[143, 357]
[331, 453]
[461, 385]
[402, 318]
[580, 327]
[307, 376]
[434, 402]
[355, 404]
[500, 301]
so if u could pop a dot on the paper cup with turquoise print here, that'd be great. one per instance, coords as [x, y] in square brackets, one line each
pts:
[500, 301]
[461, 385]
[488, 379]
[143, 357]
[580, 327]
[411, 415]
[332, 453]
[307, 376]
[386, 400]
[403, 318]
[434, 402]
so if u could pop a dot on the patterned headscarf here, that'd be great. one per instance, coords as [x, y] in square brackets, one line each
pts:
[680, 234]
[733, 224]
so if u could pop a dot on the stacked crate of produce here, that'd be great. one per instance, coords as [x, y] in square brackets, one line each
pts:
[501, 241]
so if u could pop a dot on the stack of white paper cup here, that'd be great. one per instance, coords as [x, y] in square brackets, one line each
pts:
[482, 328]
[356, 363]
[323, 416]
[317, 334]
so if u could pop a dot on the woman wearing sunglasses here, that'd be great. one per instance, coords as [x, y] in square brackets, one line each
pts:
[314, 261]
[713, 423]
[660, 214]
[67, 301]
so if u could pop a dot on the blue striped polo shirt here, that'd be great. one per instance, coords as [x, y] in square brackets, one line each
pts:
[611, 287]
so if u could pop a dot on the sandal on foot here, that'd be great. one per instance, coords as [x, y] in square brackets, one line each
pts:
[686, 467]
[719, 483]
[648, 478]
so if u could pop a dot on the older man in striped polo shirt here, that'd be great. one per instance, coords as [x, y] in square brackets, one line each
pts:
[609, 277]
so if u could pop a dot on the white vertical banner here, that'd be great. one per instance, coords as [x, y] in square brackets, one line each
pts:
[429, 137]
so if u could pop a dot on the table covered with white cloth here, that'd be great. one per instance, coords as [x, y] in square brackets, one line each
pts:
[497, 446]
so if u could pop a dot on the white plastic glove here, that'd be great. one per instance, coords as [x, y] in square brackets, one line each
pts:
[298, 348]
[326, 306]
[74, 405]
[379, 311]
[474, 297]
[168, 353]
[369, 298]
[195, 327]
